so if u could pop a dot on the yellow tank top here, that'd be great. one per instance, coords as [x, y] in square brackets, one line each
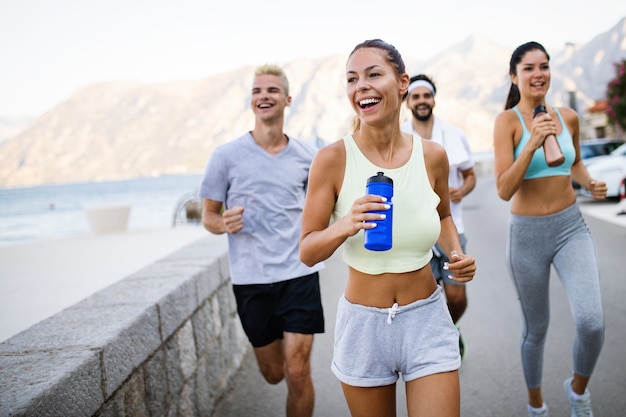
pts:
[416, 223]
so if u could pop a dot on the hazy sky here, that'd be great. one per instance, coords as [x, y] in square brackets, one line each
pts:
[50, 48]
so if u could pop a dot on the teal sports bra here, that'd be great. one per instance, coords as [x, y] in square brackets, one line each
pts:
[538, 167]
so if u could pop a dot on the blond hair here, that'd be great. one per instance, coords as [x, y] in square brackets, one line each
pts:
[270, 69]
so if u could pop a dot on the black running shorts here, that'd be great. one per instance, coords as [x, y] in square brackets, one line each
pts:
[268, 310]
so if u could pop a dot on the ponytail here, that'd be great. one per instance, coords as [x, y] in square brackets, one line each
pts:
[513, 98]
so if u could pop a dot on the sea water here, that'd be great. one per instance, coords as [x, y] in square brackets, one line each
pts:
[55, 211]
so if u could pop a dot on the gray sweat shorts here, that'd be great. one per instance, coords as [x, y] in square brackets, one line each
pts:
[373, 346]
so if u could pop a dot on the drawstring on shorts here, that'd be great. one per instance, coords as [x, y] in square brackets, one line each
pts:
[392, 313]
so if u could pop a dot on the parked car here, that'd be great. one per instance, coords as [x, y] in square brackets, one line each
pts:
[597, 147]
[609, 168]
[592, 148]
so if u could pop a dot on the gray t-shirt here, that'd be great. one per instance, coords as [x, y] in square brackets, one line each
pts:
[271, 189]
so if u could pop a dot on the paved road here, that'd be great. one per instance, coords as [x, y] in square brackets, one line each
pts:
[491, 378]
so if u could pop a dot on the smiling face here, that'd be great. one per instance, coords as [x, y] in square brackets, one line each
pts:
[373, 87]
[269, 98]
[421, 102]
[532, 75]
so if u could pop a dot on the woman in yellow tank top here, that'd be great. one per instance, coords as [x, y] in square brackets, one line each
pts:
[392, 319]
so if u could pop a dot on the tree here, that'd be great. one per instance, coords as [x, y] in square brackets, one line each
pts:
[616, 96]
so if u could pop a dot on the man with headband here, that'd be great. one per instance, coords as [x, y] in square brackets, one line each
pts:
[420, 100]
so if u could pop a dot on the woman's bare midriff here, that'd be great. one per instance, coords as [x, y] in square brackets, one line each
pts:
[384, 290]
[543, 196]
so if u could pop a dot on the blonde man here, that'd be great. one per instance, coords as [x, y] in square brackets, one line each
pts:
[253, 190]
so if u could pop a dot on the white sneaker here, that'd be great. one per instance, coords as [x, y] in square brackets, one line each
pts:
[581, 407]
[538, 412]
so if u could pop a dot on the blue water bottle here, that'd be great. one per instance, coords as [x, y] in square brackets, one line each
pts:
[380, 237]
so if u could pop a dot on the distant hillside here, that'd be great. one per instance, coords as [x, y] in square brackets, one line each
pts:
[13, 126]
[117, 130]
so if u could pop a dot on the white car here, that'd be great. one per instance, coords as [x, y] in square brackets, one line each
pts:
[609, 168]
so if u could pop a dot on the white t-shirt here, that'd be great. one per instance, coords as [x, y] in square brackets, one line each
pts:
[457, 147]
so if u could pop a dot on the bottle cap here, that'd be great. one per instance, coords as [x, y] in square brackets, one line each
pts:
[539, 109]
[379, 177]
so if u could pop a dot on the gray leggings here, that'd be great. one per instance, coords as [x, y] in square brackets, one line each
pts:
[563, 240]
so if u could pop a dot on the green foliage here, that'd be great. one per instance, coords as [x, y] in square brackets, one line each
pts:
[616, 96]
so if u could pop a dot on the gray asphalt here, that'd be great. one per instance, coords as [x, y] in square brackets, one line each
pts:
[491, 378]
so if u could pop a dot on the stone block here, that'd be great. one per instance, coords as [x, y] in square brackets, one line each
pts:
[50, 383]
[156, 384]
[125, 335]
[187, 349]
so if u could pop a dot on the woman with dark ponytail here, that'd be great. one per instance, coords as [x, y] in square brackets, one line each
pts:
[546, 227]
[514, 96]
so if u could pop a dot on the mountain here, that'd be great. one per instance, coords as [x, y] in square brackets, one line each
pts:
[122, 129]
[12, 126]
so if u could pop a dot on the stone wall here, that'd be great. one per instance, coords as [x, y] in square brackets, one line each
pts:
[164, 341]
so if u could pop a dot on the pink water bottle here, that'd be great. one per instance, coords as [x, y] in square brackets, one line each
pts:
[551, 149]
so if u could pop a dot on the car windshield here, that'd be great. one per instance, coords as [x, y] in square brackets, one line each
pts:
[587, 152]
[598, 148]
[620, 151]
